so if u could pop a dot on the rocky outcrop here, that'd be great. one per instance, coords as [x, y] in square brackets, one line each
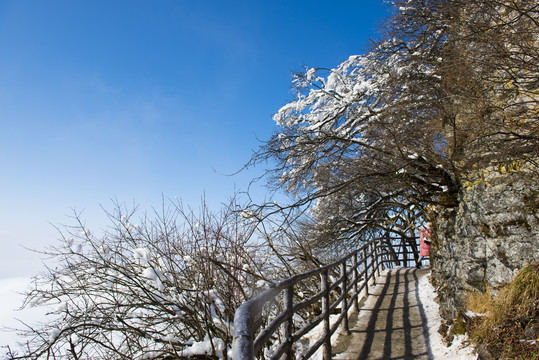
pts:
[491, 235]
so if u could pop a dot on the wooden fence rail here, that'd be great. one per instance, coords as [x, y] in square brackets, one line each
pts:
[335, 294]
[340, 285]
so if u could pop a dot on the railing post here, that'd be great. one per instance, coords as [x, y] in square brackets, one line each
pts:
[344, 290]
[325, 312]
[288, 324]
[378, 251]
[404, 252]
[413, 244]
[381, 255]
[366, 277]
[391, 251]
[355, 281]
[242, 345]
[375, 259]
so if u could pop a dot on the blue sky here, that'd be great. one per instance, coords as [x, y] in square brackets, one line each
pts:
[136, 100]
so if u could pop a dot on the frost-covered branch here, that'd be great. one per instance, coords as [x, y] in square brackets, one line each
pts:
[161, 287]
[451, 85]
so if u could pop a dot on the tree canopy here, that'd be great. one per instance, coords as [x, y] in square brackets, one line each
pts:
[369, 145]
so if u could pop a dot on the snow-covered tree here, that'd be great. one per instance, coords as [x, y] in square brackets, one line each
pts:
[158, 288]
[387, 134]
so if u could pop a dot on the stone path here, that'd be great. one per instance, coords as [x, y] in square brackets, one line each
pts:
[391, 323]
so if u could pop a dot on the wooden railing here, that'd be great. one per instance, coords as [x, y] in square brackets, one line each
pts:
[338, 289]
[400, 251]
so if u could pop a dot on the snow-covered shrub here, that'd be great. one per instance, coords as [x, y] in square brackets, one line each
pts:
[155, 288]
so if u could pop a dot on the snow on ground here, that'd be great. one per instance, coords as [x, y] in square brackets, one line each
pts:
[458, 350]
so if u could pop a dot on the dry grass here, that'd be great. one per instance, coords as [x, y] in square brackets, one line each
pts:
[509, 329]
[479, 302]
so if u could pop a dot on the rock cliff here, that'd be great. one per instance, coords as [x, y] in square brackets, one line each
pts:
[489, 237]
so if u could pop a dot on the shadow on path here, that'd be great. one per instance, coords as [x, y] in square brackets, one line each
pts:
[392, 324]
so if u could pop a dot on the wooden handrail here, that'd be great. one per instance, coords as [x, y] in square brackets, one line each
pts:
[371, 257]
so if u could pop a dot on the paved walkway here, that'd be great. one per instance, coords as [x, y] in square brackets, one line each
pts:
[391, 323]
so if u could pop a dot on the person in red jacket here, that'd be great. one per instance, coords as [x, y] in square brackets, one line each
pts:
[424, 244]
